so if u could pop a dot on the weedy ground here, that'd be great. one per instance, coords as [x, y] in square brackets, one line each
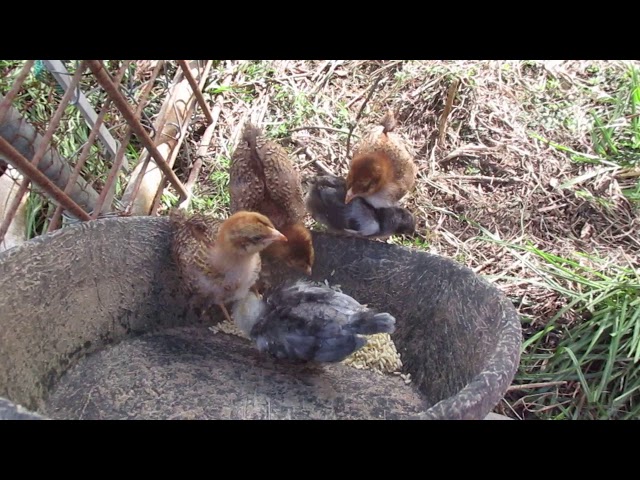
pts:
[529, 175]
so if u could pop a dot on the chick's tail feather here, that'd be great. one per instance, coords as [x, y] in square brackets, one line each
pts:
[370, 323]
[250, 134]
[177, 215]
[388, 122]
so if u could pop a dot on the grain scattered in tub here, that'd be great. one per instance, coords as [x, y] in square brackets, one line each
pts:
[229, 328]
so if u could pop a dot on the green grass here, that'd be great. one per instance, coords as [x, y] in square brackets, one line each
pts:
[592, 342]
[37, 101]
[598, 351]
[210, 196]
[36, 212]
[616, 132]
[217, 199]
[299, 107]
[408, 241]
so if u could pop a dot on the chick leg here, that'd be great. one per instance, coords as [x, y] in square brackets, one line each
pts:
[256, 287]
[225, 312]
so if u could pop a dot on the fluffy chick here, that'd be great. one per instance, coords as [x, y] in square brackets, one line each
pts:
[326, 203]
[219, 262]
[263, 179]
[382, 170]
[302, 322]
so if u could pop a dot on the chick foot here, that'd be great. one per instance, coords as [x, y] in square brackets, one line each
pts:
[225, 312]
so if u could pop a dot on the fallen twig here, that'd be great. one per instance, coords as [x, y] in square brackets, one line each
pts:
[464, 150]
[530, 386]
[490, 262]
[552, 207]
[480, 178]
[451, 94]
[631, 173]
[313, 159]
[203, 148]
[364, 104]
[318, 127]
[335, 64]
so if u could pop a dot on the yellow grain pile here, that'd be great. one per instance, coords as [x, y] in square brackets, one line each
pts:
[229, 328]
[378, 354]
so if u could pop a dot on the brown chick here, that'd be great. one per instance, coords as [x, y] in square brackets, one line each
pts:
[263, 179]
[382, 170]
[219, 262]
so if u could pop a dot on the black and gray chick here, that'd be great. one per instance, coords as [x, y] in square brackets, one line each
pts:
[326, 203]
[303, 322]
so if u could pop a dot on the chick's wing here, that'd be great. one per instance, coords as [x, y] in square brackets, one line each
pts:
[282, 180]
[246, 187]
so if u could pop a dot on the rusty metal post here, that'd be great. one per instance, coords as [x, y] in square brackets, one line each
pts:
[40, 179]
[84, 155]
[17, 84]
[24, 185]
[196, 89]
[118, 99]
[29, 169]
[117, 162]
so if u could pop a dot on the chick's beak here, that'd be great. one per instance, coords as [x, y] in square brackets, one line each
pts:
[350, 196]
[276, 236]
[308, 271]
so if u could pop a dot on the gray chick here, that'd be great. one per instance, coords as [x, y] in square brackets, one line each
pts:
[326, 203]
[302, 322]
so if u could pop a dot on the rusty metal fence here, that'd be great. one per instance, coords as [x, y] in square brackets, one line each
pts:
[60, 180]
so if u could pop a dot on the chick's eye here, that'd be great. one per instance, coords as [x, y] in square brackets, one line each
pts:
[257, 238]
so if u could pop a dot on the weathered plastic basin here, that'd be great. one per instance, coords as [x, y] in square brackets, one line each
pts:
[74, 295]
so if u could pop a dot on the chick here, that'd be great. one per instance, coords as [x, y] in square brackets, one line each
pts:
[263, 179]
[219, 262]
[382, 170]
[301, 322]
[325, 202]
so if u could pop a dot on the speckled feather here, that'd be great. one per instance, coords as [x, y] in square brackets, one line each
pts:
[246, 188]
[191, 236]
[193, 240]
[263, 179]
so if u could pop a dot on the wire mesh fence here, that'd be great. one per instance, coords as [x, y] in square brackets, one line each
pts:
[93, 138]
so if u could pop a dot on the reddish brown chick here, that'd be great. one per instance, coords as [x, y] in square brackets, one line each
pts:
[298, 250]
[382, 170]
